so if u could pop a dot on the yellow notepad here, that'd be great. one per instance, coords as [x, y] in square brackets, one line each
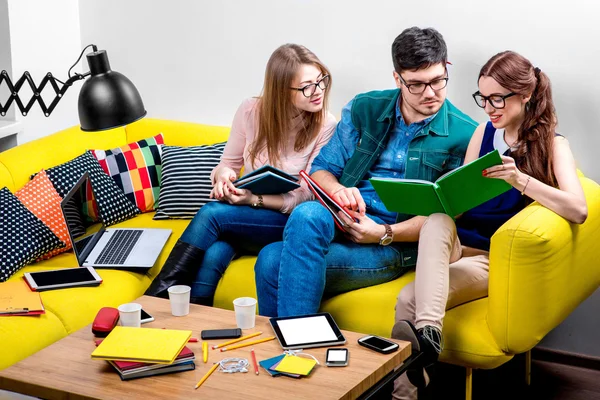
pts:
[16, 297]
[296, 365]
[150, 345]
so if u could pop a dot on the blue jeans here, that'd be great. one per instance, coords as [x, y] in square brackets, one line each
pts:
[222, 230]
[293, 275]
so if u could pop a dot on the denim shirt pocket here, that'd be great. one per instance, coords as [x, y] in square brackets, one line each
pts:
[436, 163]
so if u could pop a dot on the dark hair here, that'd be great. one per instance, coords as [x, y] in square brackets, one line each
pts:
[535, 143]
[417, 48]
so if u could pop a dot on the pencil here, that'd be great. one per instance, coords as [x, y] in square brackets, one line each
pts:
[254, 361]
[205, 351]
[238, 346]
[205, 377]
[236, 340]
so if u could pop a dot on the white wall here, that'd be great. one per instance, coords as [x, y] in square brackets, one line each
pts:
[44, 37]
[5, 56]
[196, 60]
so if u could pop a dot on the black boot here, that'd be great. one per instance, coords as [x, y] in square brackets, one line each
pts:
[202, 300]
[428, 341]
[179, 269]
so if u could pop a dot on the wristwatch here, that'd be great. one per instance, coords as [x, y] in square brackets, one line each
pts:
[388, 237]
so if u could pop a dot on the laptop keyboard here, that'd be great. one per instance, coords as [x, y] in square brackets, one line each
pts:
[119, 246]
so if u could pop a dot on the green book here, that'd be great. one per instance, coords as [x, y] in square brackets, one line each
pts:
[453, 193]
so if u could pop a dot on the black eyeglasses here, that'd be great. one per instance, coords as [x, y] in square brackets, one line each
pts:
[310, 89]
[418, 88]
[496, 100]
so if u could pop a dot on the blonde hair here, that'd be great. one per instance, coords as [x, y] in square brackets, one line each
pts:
[276, 110]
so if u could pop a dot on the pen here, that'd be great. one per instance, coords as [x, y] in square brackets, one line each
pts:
[205, 351]
[237, 346]
[205, 377]
[254, 361]
[193, 340]
[236, 340]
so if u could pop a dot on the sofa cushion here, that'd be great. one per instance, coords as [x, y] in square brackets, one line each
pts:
[186, 183]
[23, 237]
[40, 197]
[136, 169]
[112, 205]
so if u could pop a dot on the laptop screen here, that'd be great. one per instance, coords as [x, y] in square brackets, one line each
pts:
[83, 235]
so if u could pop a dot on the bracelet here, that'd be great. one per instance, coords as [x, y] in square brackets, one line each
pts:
[525, 187]
[260, 201]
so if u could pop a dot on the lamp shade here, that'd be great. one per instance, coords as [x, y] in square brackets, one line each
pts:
[107, 98]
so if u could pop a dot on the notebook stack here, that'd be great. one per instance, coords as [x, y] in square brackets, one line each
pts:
[141, 352]
[288, 365]
[17, 299]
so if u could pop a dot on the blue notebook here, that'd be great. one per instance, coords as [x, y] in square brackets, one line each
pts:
[267, 180]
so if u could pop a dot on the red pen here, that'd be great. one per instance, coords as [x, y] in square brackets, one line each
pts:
[254, 361]
[193, 340]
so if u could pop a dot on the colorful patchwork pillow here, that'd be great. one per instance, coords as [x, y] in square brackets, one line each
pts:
[40, 197]
[112, 206]
[186, 183]
[23, 237]
[136, 170]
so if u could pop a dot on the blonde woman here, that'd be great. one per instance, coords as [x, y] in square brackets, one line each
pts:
[285, 127]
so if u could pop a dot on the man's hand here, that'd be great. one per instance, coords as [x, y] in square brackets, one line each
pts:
[365, 230]
[351, 199]
[223, 185]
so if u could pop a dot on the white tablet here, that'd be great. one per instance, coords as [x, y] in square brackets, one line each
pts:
[305, 331]
[62, 278]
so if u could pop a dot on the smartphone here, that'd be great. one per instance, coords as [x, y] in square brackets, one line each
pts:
[146, 317]
[220, 333]
[378, 343]
[62, 278]
[337, 357]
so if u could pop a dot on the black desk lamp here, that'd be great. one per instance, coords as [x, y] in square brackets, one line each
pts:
[107, 99]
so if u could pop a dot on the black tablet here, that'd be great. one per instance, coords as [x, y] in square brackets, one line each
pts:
[305, 331]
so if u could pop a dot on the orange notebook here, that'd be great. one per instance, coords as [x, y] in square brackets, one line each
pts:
[17, 299]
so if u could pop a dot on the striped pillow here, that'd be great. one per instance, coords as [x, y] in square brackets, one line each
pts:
[186, 183]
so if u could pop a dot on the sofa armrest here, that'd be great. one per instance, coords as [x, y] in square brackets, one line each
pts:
[541, 268]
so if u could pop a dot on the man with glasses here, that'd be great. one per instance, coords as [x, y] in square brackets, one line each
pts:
[408, 132]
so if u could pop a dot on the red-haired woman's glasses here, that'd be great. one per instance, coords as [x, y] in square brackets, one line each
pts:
[496, 100]
[310, 89]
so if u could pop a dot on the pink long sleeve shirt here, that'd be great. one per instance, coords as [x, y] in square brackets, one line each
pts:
[243, 132]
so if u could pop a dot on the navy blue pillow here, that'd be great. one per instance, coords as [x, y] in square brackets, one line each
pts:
[23, 237]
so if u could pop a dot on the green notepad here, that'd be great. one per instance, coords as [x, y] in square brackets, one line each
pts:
[453, 193]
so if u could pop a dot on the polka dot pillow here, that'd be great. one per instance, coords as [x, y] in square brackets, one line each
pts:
[112, 205]
[23, 237]
[40, 197]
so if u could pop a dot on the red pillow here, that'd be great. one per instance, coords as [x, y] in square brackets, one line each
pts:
[40, 197]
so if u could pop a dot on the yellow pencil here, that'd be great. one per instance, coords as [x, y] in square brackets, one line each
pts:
[236, 340]
[205, 377]
[237, 346]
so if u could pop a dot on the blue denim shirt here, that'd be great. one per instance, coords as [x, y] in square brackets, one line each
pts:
[391, 163]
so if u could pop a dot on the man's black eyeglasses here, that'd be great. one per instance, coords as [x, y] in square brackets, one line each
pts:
[496, 100]
[310, 89]
[418, 88]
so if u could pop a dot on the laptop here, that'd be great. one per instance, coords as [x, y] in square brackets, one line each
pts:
[130, 249]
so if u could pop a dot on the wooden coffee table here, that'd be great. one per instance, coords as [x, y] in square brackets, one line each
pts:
[65, 369]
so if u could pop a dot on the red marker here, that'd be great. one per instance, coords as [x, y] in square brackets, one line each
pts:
[254, 361]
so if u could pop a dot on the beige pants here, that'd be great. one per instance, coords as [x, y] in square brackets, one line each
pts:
[447, 275]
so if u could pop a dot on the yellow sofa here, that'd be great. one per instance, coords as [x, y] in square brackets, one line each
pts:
[542, 267]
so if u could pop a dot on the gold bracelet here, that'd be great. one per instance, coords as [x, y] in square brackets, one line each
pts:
[259, 203]
[525, 187]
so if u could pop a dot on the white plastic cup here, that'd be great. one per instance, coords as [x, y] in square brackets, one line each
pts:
[179, 296]
[245, 312]
[130, 314]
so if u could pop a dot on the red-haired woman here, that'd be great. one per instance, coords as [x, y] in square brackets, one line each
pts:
[285, 127]
[453, 262]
